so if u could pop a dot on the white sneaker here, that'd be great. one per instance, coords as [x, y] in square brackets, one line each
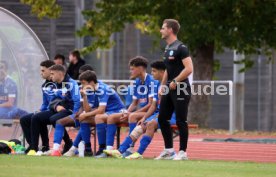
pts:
[102, 155]
[166, 155]
[39, 153]
[47, 153]
[71, 152]
[182, 155]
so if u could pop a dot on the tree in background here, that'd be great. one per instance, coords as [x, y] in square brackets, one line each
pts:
[206, 26]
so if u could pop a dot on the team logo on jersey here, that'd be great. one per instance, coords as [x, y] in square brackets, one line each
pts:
[171, 57]
[171, 53]
[143, 100]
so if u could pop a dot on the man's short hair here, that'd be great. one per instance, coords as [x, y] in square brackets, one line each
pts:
[57, 68]
[88, 76]
[76, 54]
[85, 67]
[139, 61]
[173, 24]
[60, 56]
[47, 63]
[3, 65]
[159, 65]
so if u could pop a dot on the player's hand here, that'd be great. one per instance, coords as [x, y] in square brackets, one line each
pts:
[82, 116]
[77, 115]
[172, 85]
[79, 112]
[140, 122]
[59, 108]
[161, 91]
[83, 93]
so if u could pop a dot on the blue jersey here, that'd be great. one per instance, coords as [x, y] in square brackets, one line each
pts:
[8, 89]
[108, 97]
[143, 90]
[47, 94]
[69, 92]
[155, 97]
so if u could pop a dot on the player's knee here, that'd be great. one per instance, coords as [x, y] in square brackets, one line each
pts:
[110, 120]
[23, 119]
[132, 118]
[35, 119]
[152, 125]
[97, 119]
[181, 123]
[59, 122]
[137, 132]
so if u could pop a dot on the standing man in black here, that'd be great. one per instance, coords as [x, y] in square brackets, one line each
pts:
[75, 63]
[178, 67]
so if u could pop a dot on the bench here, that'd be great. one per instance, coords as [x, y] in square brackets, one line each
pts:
[173, 127]
[94, 133]
[16, 122]
[10, 122]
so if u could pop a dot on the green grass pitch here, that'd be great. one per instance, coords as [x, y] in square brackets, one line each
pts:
[26, 166]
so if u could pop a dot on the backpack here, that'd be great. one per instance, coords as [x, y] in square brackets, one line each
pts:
[4, 148]
[16, 141]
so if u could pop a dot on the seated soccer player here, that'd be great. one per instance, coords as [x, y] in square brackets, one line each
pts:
[89, 102]
[26, 120]
[65, 102]
[109, 103]
[142, 99]
[67, 121]
[68, 101]
[148, 124]
[8, 95]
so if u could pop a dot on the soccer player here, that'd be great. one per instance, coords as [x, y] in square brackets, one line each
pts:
[148, 124]
[66, 102]
[89, 103]
[142, 99]
[68, 95]
[8, 95]
[178, 67]
[26, 120]
[109, 103]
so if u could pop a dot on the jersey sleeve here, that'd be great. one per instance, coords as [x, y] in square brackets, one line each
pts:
[75, 92]
[103, 97]
[45, 102]
[183, 52]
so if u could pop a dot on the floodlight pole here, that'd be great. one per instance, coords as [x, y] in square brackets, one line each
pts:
[238, 86]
